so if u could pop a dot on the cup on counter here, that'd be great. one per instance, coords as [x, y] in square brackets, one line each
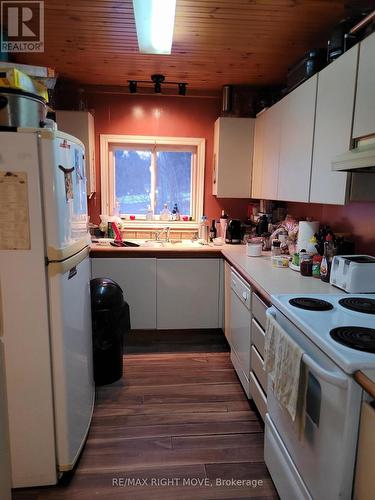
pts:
[254, 247]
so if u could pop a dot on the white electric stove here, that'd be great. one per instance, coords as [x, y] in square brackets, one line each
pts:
[353, 314]
[337, 336]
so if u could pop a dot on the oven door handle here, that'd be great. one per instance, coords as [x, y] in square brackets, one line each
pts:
[322, 373]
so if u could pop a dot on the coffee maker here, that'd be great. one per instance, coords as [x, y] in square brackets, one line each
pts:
[234, 232]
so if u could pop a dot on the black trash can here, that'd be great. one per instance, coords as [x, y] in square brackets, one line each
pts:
[110, 320]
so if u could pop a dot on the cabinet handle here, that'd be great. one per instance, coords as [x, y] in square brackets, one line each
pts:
[234, 283]
[244, 295]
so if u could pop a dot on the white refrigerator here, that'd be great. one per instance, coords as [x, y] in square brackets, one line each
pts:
[45, 276]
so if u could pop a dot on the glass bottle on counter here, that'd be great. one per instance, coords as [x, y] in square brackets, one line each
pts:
[213, 231]
[329, 252]
[165, 213]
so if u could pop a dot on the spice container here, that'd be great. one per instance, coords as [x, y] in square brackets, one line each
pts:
[275, 248]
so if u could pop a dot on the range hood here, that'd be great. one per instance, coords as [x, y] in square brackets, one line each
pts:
[359, 159]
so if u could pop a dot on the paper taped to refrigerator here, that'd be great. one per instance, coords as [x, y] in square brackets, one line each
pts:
[14, 211]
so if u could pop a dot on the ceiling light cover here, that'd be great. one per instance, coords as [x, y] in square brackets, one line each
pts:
[154, 21]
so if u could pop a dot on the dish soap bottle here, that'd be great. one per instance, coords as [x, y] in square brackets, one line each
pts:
[165, 213]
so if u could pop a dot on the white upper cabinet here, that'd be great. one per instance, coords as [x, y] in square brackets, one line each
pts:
[80, 124]
[333, 125]
[297, 131]
[256, 186]
[233, 157]
[266, 152]
[364, 114]
[271, 153]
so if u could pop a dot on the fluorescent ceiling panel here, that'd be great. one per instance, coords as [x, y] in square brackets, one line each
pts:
[154, 21]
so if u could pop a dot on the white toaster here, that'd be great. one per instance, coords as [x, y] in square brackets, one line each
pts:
[353, 273]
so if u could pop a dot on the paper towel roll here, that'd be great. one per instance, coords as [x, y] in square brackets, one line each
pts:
[306, 230]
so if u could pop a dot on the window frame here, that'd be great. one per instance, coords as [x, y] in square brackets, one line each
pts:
[109, 142]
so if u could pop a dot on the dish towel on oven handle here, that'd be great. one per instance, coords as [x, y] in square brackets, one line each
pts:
[282, 362]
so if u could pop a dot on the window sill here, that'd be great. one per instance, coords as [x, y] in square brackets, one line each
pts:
[159, 224]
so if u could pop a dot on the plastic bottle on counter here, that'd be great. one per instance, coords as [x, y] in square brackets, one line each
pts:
[203, 229]
[329, 252]
[317, 260]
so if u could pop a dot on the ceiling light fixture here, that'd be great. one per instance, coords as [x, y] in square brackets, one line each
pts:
[154, 20]
[157, 80]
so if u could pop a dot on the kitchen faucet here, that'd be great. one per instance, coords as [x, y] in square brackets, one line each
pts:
[166, 230]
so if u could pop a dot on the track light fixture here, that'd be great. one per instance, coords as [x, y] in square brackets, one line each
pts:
[132, 86]
[157, 80]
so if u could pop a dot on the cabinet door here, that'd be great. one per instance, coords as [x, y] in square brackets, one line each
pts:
[80, 124]
[364, 114]
[297, 130]
[137, 278]
[233, 157]
[256, 187]
[271, 151]
[333, 123]
[188, 293]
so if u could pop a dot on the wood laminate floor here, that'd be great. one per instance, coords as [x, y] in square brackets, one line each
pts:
[176, 426]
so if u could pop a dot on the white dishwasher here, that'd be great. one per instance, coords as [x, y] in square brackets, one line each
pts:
[240, 329]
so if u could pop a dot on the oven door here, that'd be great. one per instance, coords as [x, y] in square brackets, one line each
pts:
[320, 462]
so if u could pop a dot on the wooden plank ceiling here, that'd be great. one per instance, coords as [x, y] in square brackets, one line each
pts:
[215, 41]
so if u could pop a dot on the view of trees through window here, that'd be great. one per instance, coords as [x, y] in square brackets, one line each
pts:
[134, 174]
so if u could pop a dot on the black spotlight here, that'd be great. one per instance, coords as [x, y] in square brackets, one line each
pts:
[158, 80]
[132, 86]
[181, 88]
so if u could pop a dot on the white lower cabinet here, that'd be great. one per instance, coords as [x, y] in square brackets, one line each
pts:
[188, 293]
[167, 293]
[227, 300]
[137, 278]
[240, 329]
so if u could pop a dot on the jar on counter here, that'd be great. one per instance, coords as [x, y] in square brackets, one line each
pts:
[276, 248]
[306, 265]
[317, 260]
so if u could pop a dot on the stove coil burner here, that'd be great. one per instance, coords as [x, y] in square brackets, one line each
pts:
[311, 304]
[356, 337]
[359, 304]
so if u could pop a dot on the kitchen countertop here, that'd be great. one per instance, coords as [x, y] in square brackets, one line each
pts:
[258, 271]
[268, 280]
[366, 379]
[170, 252]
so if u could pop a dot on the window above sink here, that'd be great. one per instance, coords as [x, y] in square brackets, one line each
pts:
[138, 172]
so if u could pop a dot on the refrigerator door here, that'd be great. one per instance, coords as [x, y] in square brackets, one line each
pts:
[71, 346]
[25, 321]
[64, 191]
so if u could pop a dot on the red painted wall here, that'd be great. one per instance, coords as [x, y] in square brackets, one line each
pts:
[163, 116]
[355, 218]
